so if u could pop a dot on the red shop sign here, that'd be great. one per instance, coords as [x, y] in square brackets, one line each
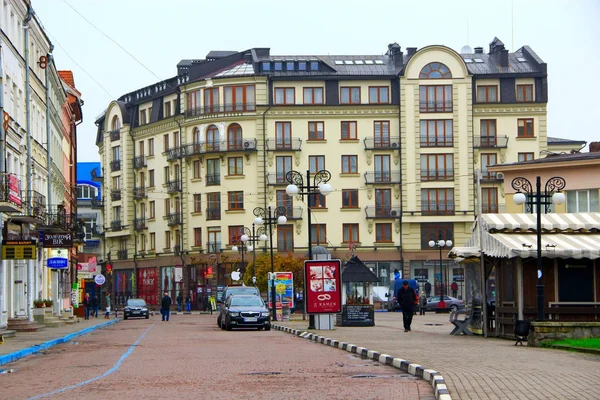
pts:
[323, 286]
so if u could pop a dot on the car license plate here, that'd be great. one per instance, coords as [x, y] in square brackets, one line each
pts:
[136, 312]
[250, 319]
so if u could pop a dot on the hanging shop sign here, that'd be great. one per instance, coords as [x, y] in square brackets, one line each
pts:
[99, 279]
[59, 259]
[54, 240]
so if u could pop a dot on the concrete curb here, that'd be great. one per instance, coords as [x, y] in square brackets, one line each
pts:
[432, 376]
[14, 356]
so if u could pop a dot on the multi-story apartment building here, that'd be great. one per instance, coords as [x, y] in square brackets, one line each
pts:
[187, 160]
[42, 107]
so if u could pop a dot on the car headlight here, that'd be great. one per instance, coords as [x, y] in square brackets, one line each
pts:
[127, 309]
[234, 314]
[264, 314]
[144, 309]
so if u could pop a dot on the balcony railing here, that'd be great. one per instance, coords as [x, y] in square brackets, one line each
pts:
[176, 152]
[220, 109]
[213, 247]
[213, 179]
[490, 142]
[382, 143]
[115, 225]
[489, 208]
[139, 193]
[139, 224]
[97, 230]
[437, 208]
[115, 194]
[115, 165]
[122, 254]
[488, 176]
[435, 106]
[382, 211]
[219, 147]
[139, 162]
[381, 177]
[173, 186]
[435, 141]
[276, 179]
[437, 175]
[61, 220]
[294, 212]
[213, 214]
[174, 219]
[115, 135]
[98, 203]
[96, 177]
[284, 144]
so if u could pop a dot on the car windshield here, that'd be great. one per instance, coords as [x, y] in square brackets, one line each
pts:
[136, 303]
[241, 290]
[254, 301]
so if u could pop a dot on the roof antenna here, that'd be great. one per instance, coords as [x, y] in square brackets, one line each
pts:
[512, 24]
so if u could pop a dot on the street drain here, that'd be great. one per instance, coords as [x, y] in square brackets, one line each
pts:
[434, 324]
[264, 373]
[364, 376]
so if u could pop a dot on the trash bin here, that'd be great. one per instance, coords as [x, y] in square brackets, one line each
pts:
[285, 312]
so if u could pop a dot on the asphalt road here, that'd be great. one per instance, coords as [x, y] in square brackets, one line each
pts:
[190, 357]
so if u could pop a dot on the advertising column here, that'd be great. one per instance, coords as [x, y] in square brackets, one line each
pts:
[323, 281]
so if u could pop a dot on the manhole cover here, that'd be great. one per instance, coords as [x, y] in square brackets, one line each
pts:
[264, 373]
[434, 324]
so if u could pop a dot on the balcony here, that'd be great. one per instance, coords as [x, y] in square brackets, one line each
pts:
[115, 194]
[139, 193]
[489, 208]
[97, 231]
[60, 220]
[37, 213]
[10, 198]
[287, 144]
[490, 142]
[139, 162]
[122, 254]
[98, 203]
[382, 178]
[437, 208]
[435, 106]
[173, 186]
[213, 214]
[174, 219]
[115, 135]
[437, 175]
[140, 224]
[219, 147]
[491, 177]
[96, 177]
[176, 153]
[213, 247]
[115, 165]
[177, 250]
[220, 109]
[294, 212]
[373, 212]
[115, 226]
[435, 141]
[382, 143]
[276, 179]
[213, 179]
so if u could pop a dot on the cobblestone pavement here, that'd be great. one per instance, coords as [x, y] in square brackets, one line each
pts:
[475, 367]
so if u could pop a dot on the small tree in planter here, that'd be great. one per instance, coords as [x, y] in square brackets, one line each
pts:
[48, 302]
[39, 303]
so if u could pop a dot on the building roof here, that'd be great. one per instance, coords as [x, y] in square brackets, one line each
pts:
[550, 159]
[356, 271]
[561, 141]
[67, 76]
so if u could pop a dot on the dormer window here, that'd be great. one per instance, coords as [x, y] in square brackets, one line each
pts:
[301, 65]
[289, 66]
[278, 66]
[266, 66]
[314, 65]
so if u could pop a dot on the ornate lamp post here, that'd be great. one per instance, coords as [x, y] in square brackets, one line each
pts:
[257, 235]
[264, 216]
[551, 194]
[319, 186]
[441, 243]
[242, 248]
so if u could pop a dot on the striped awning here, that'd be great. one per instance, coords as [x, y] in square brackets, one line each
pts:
[550, 222]
[554, 245]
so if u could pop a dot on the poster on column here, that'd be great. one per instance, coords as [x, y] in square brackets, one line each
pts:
[322, 286]
[284, 289]
[148, 285]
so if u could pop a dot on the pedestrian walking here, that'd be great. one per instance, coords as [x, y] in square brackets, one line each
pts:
[87, 304]
[165, 307]
[422, 303]
[95, 301]
[454, 288]
[179, 302]
[427, 289]
[107, 302]
[407, 298]
[188, 304]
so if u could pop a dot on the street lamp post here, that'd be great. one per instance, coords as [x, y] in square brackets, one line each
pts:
[319, 186]
[552, 194]
[440, 244]
[271, 218]
[254, 236]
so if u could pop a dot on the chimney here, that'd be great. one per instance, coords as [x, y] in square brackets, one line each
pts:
[410, 51]
[395, 52]
[503, 57]
[595, 147]
[478, 50]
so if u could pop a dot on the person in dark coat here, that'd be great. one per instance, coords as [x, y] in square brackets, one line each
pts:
[87, 304]
[165, 306]
[179, 302]
[407, 298]
[95, 305]
[427, 289]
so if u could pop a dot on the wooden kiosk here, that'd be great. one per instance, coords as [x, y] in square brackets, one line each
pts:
[357, 295]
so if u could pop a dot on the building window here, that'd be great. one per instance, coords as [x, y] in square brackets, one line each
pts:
[382, 168]
[582, 201]
[197, 202]
[152, 209]
[316, 131]
[350, 198]
[525, 157]
[381, 131]
[214, 240]
[301, 65]
[289, 66]
[437, 167]
[435, 70]
[239, 98]
[437, 201]
[212, 138]
[197, 237]
[349, 130]
[167, 239]
[283, 135]
[143, 119]
[167, 171]
[383, 233]
[285, 95]
[266, 66]
[525, 127]
[197, 174]
[524, 93]
[435, 231]
[152, 241]
[235, 200]
[383, 203]
[116, 123]
[166, 142]
[350, 95]
[436, 133]
[350, 233]
[313, 95]
[379, 95]
[314, 65]
[283, 165]
[151, 147]
[316, 163]
[213, 211]
[487, 160]
[211, 100]
[167, 206]
[235, 233]
[278, 66]
[285, 238]
[234, 138]
[489, 200]
[317, 201]
[487, 94]
[194, 100]
[350, 164]
[167, 108]
[141, 147]
[213, 172]
[436, 98]
[235, 166]
[319, 234]
[86, 192]
[283, 200]
[488, 132]
[151, 178]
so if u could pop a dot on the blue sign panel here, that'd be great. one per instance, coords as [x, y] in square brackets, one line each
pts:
[58, 263]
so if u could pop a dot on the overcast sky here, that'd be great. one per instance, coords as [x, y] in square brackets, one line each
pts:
[160, 33]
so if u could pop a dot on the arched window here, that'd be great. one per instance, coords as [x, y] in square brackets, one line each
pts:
[212, 138]
[234, 137]
[196, 136]
[116, 123]
[435, 70]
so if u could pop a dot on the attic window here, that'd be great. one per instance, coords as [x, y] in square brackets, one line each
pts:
[314, 65]
[380, 62]
[359, 62]
[266, 66]
[289, 66]
[301, 65]
[468, 60]
[339, 62]
[521, 59]
[348, 62]
[370, 62]
[278, 66]
[478, 60]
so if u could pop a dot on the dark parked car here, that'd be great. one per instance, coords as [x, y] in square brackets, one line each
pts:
[245, 311]
[136, 308]
[451, 302]
[230, 290]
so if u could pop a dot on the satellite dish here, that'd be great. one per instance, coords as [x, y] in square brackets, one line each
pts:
[466, 49]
